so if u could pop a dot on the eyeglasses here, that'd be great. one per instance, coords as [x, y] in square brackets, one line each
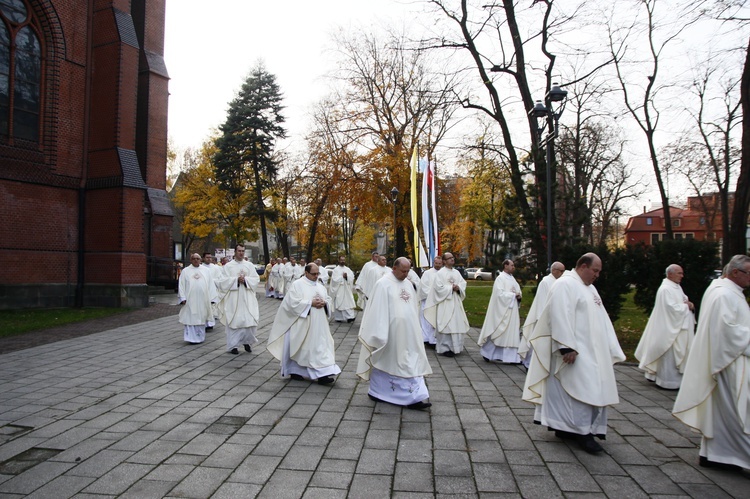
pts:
[744, 271]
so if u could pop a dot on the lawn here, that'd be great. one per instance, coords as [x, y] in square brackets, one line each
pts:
[629, 326]
[13, 322]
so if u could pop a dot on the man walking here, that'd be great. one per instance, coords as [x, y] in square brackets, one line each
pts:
[715, 389]
[300, 337]
[196, 292]
[572, 378]
[501, 330]
[444, 308]
[392, 356]
[341, 292]
[239, 305]
[665, 342]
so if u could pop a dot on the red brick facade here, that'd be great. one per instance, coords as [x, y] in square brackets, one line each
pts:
[701, 220]
[92, 189]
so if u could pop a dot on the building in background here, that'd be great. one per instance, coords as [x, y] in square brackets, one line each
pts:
[701, 219]
[83, 143]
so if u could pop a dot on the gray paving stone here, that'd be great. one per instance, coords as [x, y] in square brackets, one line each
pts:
[376, 462]
[452, 463]
[494, 477]
[136, 441]
[156, 452]
[414, 477]
[173, 473]
[617, 487]
[232, 490]
[455, 486]
[371, 486]
[653, 480]
[344, 448]
[100, 463]
[34, 478]
[119, 479]
[538, 486]
[302, 457]
[60, 487]
[573, 477]
[201, 482]
[255, 469]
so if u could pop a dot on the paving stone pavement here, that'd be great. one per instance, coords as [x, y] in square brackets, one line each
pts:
[135, 412]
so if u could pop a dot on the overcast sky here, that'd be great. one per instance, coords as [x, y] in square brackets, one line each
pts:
[211, 46]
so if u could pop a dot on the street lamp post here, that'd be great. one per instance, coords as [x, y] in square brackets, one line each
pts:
[344, 225]
[555, 95]
[394, 198]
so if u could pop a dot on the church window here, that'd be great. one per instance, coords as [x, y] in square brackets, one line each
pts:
[20, 73]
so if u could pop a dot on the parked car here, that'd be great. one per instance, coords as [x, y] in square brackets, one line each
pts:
[479, 274]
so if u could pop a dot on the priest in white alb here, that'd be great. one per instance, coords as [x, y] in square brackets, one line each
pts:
[501, 331]
[323, 275]
[444, 309]
[714, 397]
[392, 356]
[361, 282]
[238, 307]
[340, 289]
[428, 330]
[374, 273]
[572, 378]
[276, 280]
[300, 337]
[540, 300]
[666, 341]
[196, 292]
[209, 262]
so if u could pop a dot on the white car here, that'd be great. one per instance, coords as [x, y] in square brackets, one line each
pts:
[479, 274]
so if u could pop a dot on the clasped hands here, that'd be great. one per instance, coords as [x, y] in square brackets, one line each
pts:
[318, 302]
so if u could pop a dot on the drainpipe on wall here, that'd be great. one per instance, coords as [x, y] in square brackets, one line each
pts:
[85, 155]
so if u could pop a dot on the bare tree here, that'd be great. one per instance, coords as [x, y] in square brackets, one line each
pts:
[642, 98]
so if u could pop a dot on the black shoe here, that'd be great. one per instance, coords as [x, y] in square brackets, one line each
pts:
[419, 406]
[325, 380]
[566, 435]
[449, 353]
[706, 463]
[296, 377]
[209, 328]
[588, 444]
[247, 348]
[350, 320]
[374, 398]
[485, 358]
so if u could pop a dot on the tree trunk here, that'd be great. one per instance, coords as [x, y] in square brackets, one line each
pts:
[736, 238]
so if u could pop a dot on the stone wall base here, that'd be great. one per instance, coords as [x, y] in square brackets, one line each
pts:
[63, 295]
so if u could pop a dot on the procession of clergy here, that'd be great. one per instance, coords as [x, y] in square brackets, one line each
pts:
[567, 344]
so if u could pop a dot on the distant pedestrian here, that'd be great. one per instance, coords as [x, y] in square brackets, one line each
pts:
[665, 343]
[535, 311]
[444, 308]
[501, 331]
[196, 292]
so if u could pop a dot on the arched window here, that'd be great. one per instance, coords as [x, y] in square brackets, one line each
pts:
[20, 73]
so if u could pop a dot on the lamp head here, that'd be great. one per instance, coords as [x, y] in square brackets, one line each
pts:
[557, 94]
[394, 194]
[538, 111]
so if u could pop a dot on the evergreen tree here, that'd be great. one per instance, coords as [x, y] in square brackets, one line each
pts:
[244, 159]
